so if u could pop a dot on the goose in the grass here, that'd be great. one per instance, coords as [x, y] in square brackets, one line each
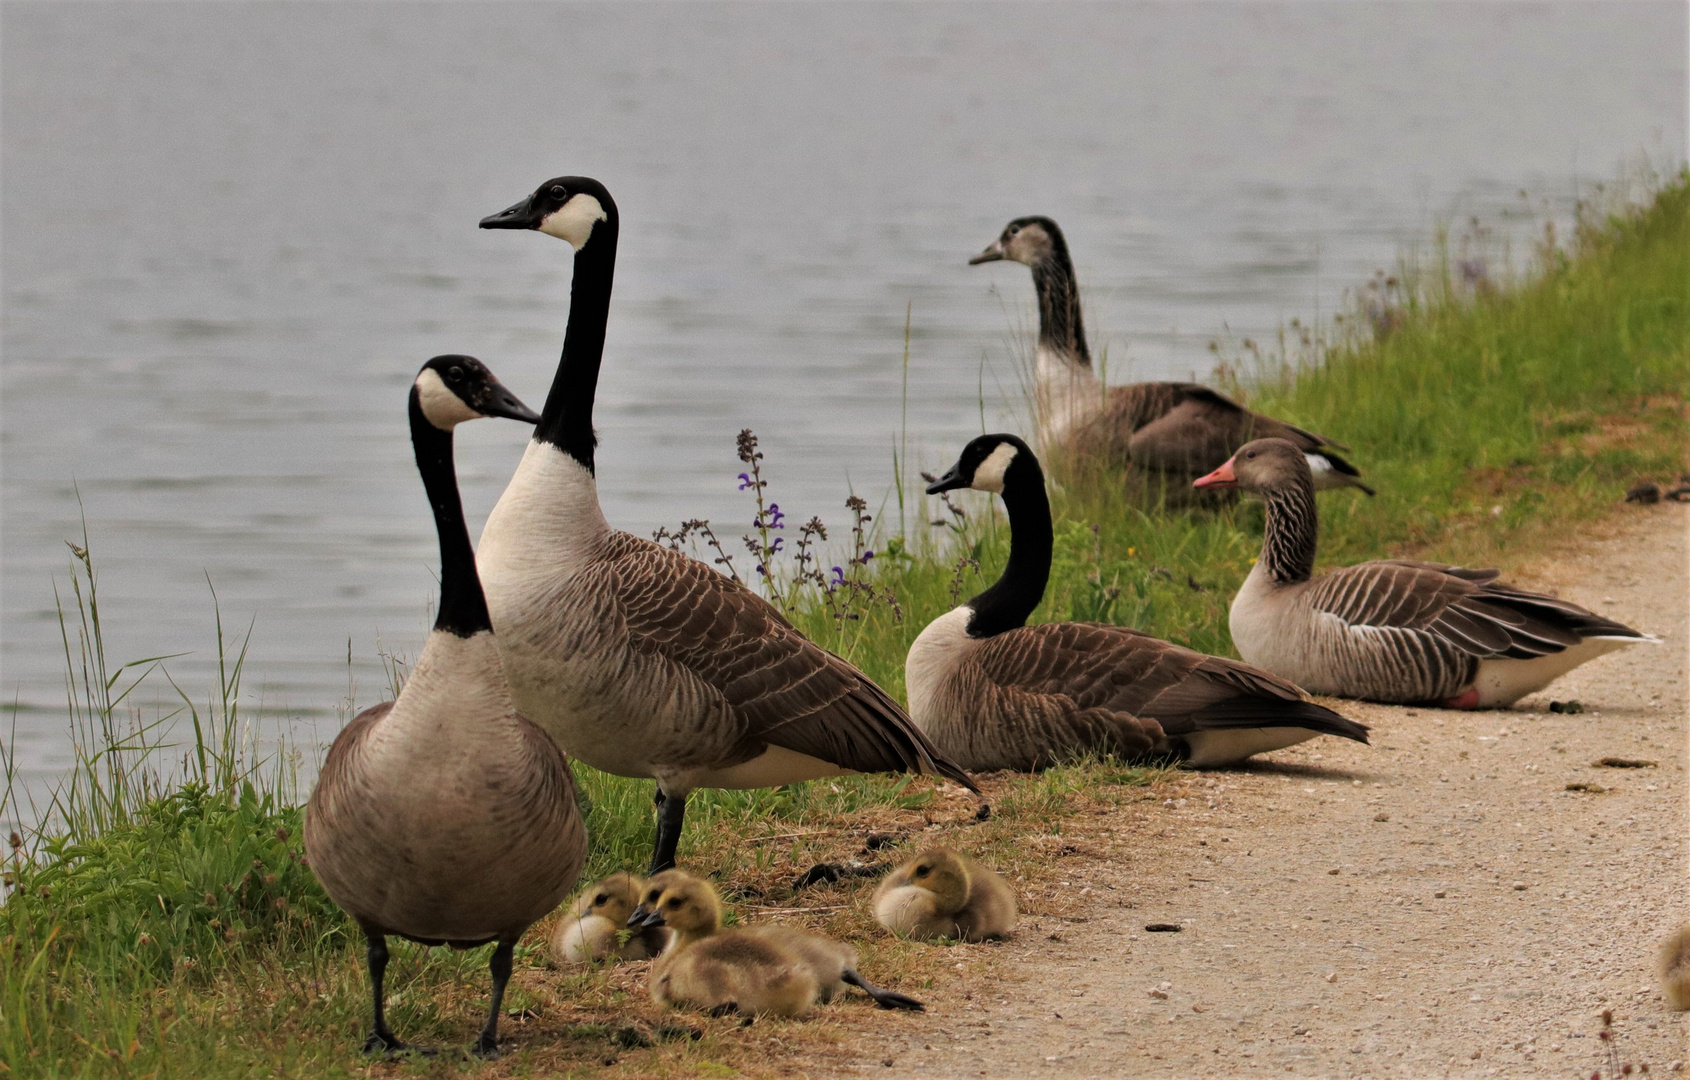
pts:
[1179, 429]
[444, 816]
[1393, 630]
[942, 893]
[594, 927]
[639, 660]
[994, 693]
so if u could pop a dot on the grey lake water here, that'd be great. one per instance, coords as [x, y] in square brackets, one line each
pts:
[232, 232]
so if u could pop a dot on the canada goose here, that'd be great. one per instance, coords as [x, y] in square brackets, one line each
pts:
[1675, 969]
[716, 970]
[639, 660]
[590, 931]
[994, 693]
[1182, 429]
[444, 816]
[942, 893]
[1393, 630]
[693, 908]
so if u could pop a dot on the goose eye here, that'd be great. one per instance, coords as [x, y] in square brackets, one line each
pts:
[1250, 455]
[921, 871]
[455, 373]
[673, 903]
[558, 191]
[1012, 230]
[601, 898]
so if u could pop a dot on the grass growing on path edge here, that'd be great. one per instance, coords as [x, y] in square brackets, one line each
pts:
[181, 935]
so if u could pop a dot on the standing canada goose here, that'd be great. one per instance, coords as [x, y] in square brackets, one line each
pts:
[1393, 630]
[994, 693]
[942, 893]
[637, 659]
[693, 909]
[1181, 429]
[444, 816]
[592, 928]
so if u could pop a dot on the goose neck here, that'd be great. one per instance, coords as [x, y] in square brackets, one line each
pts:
[1012, 598]
[463, 608]
[1060, 327]
[567, 419]
[1291, 534]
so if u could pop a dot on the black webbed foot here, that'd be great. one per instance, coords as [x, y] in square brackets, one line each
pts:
[485, 1049]
[886, 999]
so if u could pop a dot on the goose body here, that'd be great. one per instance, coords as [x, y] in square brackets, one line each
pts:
[1393, 630]
[595, 926]
[636, 659]
[444, 816]
[942, 893]
[994, 693]
[1178, 429]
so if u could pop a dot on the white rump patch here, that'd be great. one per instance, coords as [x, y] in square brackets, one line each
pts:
[989, 475]
[444, 409]
[1227, 746]
[574, 220]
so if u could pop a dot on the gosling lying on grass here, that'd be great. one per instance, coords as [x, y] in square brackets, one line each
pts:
[942, 893]
[594, 929]
[774, 970]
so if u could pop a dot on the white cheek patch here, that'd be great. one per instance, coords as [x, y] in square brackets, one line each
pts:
[989, 476]
[574, 220]
[444, 409]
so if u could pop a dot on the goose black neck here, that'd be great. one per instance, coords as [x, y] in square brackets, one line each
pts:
[1292, 531]
[567, 420]
[1013, 596]
[1060, 328]
[463, 608]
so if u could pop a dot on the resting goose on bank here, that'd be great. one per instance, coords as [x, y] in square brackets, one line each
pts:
[594, 927]
[942, 893]
[444, 816]
[994, 693]
[1182, 429]
[1392, 630]
[637, 659]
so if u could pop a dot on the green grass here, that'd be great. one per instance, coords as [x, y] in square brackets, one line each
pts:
[161, 922]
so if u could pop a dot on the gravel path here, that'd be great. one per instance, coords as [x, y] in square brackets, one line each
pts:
[1437, 904]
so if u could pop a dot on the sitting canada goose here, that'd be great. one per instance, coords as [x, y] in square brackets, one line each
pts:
[942, 893]
[592, 929]
[693, 909]
[994, 693]
[1182, 429]
[1393, 630]
[637, 659]
[444, 816]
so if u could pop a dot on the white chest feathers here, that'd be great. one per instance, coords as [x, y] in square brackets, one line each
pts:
[1068, 394]
[545, 527]
[936, 652]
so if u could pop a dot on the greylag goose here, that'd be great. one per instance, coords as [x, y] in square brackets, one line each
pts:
[1392, 630]
[443, 816]
[637, 659]
[994, 693]
[1179, 429]
[942, 893]
[592, 930]
[692, 908]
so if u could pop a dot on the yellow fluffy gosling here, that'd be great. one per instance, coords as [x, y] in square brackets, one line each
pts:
[943, 893]
[590, 931]
[1675, 969]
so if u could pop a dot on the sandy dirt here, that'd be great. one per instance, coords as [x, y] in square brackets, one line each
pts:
[1437, 904]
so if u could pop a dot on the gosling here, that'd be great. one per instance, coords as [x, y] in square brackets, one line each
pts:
[1675, 969]
[942, 893]
[830, 965]
[593, 929]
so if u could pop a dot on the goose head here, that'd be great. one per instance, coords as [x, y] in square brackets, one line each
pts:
[1259, 467]
[614, 898]
[988, 463]
[571, 208]
[1028, 240]
[941, 872]
[686, 904]
[451, 389]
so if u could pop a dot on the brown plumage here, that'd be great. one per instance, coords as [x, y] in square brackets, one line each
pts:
[942, 893]
[1675, 969]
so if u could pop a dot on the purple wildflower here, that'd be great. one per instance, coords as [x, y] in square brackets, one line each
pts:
[744, 481]
[838, 576]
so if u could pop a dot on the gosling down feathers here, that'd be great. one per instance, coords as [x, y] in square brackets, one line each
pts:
[444, 816]
[994, 693]
[751, 969]
[1179, 429]
[942, 893]
[637, 659]
[1393, 630]
[594, 929]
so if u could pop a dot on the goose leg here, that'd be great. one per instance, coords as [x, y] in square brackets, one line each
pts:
[487, 1046]
[670, 810]
[886, 999]
[382, 1039]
